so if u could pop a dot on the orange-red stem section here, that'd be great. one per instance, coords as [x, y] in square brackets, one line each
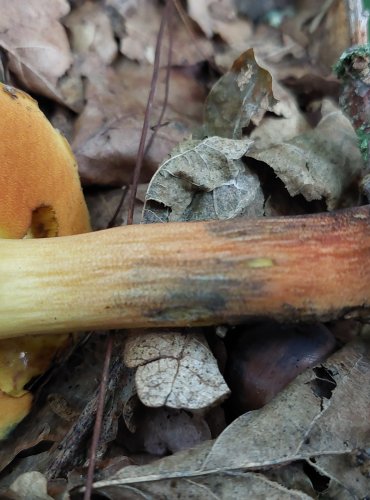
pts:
[183, 274]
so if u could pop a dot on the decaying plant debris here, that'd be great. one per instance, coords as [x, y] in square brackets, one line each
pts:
[266, 197]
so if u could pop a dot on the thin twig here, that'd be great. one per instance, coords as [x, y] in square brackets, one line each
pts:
[167, 81]
[63, 456]
[148, 110]
[113, 219]
[185, 19]
[136, 176]
[98, 418]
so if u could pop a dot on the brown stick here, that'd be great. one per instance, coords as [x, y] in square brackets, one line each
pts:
[290, 268]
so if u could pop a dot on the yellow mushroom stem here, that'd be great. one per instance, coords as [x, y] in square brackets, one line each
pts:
[183, 274]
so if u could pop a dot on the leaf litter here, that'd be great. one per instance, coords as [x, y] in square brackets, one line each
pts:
[260, 149]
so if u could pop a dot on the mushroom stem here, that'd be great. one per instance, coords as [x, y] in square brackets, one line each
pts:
[184, 274]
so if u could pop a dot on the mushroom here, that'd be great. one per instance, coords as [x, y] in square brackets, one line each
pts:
[41, 196]
[313, 267]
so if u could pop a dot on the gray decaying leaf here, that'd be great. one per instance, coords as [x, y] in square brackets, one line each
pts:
[313, 418]
[204, 180]
[176, 370]
[31, 485]
[160, 431]
[242, 95]
[321, 164]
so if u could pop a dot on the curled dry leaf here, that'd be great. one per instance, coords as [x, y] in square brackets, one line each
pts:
[321, 164]
[175, 370]
[204, 180]
[36, 44]
[241, 96]
[313, 417]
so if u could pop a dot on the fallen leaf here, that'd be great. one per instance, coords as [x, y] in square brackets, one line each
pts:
[160, 431]
[312, 418]
[348, 475]
[249, 486]
[275, 50]
[107, 132]
[323, 28]
[321, 164]
[36, 44]
[288, 122]
[204, 180]
[208, 12]
[174, 369]
[241, 96]
[31, 485]
[104, 203]
[142, 24]
[91, 31]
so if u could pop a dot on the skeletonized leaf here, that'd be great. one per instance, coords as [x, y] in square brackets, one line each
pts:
[175, 370]
[204, 180]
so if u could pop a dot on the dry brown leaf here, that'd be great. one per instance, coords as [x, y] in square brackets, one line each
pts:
[240, 97]
[174, 369]
[36, 44]
[160, 431]
[103, 204]
[313, 417]
[204, 180]
[349, 475]
[209, 13]
[91, 32]
[277, 52]
[323, 28]
[219, 486]
[321, 164]
[288, 122]
[108, 130]
[142, 24]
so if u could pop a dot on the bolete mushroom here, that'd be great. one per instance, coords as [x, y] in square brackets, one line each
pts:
[41, 196]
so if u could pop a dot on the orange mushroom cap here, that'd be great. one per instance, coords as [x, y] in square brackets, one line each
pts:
[41, 196]
[13, 410]
[40, 188]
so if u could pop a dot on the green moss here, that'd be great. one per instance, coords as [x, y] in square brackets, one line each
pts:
[341, 67]
[363, 139]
